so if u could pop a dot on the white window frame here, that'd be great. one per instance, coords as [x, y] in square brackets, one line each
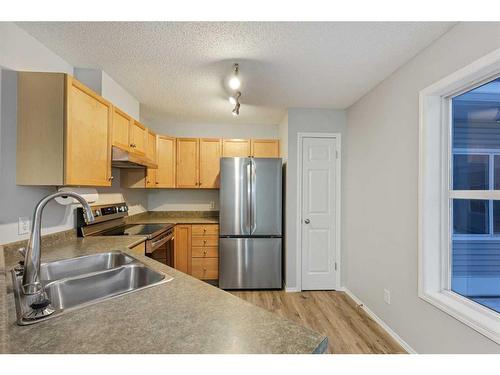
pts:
[434, 232]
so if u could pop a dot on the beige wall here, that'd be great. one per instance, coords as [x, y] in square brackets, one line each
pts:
[380, 195]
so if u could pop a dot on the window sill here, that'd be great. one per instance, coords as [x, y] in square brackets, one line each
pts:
[470, 313]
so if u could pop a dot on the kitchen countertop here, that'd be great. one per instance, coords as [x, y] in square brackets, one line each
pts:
[174, 217]
[184, 315]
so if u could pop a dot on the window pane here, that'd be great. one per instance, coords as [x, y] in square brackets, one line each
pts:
[470, 216]
[476, 118]
[497, 172]
[475, 254]
[476, 270]
[471, 172]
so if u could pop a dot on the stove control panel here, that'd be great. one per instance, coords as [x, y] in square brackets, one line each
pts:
[101, 213]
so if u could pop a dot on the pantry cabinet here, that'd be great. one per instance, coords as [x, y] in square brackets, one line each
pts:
[63, 132]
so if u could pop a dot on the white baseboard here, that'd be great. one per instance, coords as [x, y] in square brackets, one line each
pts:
[374, 316]
[292, 289]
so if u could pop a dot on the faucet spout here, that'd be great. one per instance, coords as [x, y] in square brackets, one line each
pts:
[31, 276]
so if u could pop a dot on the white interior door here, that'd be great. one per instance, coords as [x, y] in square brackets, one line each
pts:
[319, 213]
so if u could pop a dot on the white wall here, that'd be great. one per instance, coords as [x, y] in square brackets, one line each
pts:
[303, 120]
[283, 136]
[104, 85]
[380, 195]
[20, 51]
[194, 199]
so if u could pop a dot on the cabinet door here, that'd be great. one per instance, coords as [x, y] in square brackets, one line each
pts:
[236, 148]
[88, 143]
[210, 153]
[121, 127]
[265, 148]
[165, 174]
[151, 145]
[182, 248]
[187, 162]
[151, 178]
[138, 138]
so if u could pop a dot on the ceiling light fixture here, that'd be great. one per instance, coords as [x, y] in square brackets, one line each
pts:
[235, 82]
[236, 110]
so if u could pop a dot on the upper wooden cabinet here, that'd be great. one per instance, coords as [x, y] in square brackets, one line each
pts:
[236, 148]
[165, 174]
[265, 148]
[121, 129]
[209, 164]
[151, 144]
[187, 162]
[63, 132]
[138, 138]
[198, 163]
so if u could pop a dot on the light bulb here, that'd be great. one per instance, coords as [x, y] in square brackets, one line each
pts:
[234, 83]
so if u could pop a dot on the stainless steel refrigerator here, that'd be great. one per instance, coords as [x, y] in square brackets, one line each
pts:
[250, 223]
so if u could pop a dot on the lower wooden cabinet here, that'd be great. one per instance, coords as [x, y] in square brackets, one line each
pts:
[182, 248]
[197, 250]
[205, 268]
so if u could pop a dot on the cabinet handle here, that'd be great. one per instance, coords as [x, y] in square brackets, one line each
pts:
[204, 230]
[205, 252]
[204, 270]
[156, 182]
[204, 242]
[110, 178]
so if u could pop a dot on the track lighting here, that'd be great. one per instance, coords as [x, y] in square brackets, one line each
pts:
[236, 110]
[234, 82]
[235, 100]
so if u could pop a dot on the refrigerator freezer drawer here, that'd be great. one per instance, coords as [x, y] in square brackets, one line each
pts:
[250, 263]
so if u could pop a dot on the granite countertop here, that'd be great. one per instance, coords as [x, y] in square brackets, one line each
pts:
[175, 217]
[184, 315]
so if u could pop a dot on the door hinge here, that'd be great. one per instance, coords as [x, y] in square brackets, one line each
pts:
[335, 265]
[336, 154]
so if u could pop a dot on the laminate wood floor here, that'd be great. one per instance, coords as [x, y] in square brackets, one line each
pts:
[348, 328]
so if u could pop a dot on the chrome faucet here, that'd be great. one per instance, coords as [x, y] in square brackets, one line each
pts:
[31, 275]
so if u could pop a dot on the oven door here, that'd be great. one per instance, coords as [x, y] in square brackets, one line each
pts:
[161, 248]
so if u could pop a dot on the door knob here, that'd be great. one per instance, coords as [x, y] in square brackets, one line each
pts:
[307, 221]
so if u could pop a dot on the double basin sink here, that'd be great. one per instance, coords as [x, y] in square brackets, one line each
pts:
[77, 282]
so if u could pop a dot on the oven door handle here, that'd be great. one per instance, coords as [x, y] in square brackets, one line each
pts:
[160, 242]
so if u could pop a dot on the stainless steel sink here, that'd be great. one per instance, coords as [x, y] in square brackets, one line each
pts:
[82, 265]
[74, 283]
[72, 292]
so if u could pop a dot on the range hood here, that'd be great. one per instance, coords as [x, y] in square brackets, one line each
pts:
[126, 159]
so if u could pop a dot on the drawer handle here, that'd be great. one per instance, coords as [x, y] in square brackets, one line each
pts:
[204, 230]
[204, 270]
[205, 252]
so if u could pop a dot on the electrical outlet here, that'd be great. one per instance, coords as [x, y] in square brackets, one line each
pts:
[387, 296]
[212, 205]
[23, 226]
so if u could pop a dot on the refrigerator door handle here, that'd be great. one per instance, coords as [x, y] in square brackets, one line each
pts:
[249, 198]
[253, 198]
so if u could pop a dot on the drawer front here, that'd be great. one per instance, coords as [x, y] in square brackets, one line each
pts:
[205, 268]
[205, 252]
[205, 230]
[205, 241]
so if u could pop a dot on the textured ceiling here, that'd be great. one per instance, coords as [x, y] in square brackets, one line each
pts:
[178, 70]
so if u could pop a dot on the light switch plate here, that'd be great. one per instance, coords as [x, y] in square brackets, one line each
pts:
[23, 226]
